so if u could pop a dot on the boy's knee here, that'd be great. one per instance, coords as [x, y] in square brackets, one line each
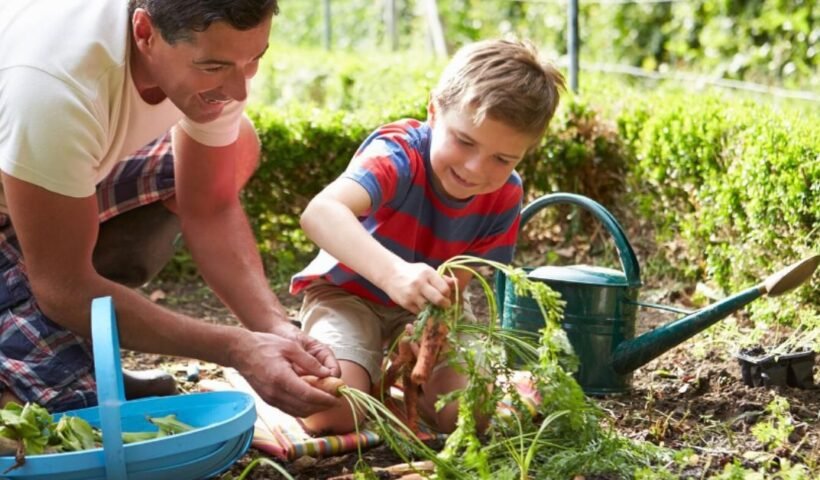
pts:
[340, 419]
[446, 418]
[331, 422]
[443, 380]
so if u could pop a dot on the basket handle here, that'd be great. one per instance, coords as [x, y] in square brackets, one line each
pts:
[629, 262]
[110, 389]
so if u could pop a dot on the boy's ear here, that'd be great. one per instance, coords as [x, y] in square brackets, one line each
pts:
[431, 111]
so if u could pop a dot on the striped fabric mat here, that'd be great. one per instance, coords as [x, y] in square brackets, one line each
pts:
[282, 436]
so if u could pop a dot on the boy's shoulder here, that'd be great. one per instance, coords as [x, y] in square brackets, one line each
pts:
[408, 135]
[407, 127]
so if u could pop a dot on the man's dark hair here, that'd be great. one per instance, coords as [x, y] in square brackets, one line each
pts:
[178, 19]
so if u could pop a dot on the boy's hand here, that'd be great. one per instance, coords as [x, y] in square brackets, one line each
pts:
[414, 285]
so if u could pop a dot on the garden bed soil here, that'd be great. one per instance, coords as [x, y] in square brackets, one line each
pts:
[689, 398]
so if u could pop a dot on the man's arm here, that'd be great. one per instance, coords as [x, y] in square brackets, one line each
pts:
[57, 236]
[216, 230]
[330, 220]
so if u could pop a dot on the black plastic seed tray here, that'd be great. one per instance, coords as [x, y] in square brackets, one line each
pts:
[759, 369]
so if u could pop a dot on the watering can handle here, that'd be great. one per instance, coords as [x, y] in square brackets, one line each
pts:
[110, 388]
[629, 262]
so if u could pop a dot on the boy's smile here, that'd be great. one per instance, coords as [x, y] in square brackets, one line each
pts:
[470, 159]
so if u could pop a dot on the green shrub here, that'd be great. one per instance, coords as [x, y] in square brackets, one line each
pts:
[737, 182]
[728, 188]
[305, 149]
[766, 41]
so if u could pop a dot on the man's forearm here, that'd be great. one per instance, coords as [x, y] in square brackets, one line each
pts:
[143, 325]
[226, 253]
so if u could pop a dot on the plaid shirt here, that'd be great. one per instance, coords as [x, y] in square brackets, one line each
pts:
[42, 362]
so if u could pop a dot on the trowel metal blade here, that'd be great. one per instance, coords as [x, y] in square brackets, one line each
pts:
[791, 276]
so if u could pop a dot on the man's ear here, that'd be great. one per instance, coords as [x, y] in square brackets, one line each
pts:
[143, 30]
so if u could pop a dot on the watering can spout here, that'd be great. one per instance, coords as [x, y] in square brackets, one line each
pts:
[634, 353]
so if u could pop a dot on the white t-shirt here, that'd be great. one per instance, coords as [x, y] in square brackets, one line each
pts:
[68, 106]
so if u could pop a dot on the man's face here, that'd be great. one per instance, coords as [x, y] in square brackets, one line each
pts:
[202, 75]
[472, 159]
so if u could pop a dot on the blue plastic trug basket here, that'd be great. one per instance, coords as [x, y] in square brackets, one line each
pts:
[222, 421]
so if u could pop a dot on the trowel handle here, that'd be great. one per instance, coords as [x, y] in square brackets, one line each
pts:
[629, 262]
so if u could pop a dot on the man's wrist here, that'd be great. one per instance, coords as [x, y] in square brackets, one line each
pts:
[283, 328]
[265, 320]
[236, 351]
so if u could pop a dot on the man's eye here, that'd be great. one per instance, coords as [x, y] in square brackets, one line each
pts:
[216, 69]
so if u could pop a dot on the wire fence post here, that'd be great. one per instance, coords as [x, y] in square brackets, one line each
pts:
[327, 36]
[572, 43]
[392, 31]
[435, 29]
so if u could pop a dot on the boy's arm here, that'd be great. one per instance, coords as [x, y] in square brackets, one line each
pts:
[331, 221]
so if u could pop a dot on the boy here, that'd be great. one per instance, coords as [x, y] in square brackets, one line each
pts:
[416, 194]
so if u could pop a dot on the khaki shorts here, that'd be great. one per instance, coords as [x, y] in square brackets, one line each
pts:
[357, 330]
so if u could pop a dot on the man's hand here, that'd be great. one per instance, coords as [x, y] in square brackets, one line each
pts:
[313, 347]
[273, 362]
[413, 285]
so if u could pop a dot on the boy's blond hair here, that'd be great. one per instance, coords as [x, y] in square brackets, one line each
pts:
[504, 80]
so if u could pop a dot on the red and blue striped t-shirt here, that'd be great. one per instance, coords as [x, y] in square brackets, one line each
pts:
[411, 218]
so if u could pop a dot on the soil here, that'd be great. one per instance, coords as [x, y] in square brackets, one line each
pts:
[691, 399]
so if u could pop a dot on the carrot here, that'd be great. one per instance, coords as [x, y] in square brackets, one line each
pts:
[432, 340]
[411, 397]
[400, 362]
[331, 385]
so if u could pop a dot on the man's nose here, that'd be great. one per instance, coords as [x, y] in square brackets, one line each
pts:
[236, 86]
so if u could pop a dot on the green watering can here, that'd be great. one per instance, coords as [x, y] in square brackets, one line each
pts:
[601, 306]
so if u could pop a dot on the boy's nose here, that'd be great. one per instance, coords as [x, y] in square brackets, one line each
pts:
[473, 164]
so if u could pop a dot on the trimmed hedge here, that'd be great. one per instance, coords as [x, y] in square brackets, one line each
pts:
[730, 188]
[739, 183]
[305, 149]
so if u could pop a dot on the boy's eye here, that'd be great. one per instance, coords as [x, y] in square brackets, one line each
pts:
[464, 141]
[505, 161]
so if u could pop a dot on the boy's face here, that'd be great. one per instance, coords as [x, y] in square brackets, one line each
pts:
[471, 159]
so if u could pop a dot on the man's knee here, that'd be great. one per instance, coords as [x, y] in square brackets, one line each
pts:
[133, 247]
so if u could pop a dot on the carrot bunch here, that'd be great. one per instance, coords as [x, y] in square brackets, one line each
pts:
[414, 367]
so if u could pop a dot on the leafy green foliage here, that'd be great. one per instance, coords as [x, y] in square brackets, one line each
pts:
[310, 128]
[768, 41]
[738, 183]
[729, 186]
[774, 431]
[76, 434]
[30, 424]
[562, 437]
[35, 432]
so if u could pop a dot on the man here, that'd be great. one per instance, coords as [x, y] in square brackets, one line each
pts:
[83, 86]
